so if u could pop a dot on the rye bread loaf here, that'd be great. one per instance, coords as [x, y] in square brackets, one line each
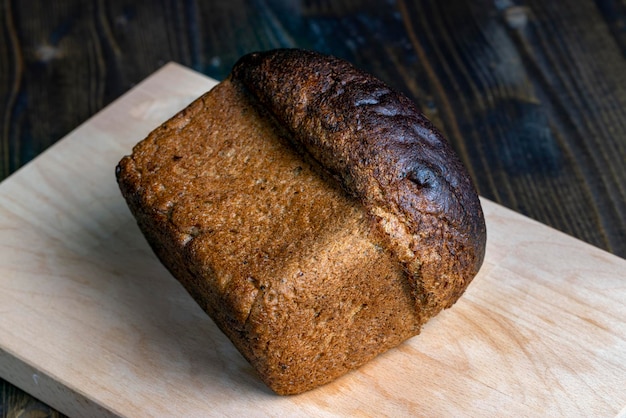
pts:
[314, 213]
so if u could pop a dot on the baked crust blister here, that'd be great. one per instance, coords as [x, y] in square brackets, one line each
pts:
[313, 213]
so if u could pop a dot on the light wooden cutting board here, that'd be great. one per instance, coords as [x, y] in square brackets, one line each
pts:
[92, 324]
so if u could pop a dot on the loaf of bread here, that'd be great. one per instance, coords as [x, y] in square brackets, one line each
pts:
[313, 212]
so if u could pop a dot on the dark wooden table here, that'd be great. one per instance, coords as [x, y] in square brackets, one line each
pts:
[531, 94]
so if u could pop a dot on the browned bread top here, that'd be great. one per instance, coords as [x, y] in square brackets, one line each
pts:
[387, 154]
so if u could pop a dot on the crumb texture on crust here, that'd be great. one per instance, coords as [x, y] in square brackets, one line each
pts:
[273, 249]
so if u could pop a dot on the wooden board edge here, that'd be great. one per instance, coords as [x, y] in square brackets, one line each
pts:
[46, 388]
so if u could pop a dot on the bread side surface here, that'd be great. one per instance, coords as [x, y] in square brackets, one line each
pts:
[286, 262]
[387, 155]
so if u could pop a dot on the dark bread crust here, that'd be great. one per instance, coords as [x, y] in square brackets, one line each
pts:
[388, 155]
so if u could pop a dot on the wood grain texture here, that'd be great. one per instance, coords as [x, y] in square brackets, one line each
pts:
[94, 325]
[530, 93]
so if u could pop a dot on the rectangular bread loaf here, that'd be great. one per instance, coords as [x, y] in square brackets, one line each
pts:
[314, 213]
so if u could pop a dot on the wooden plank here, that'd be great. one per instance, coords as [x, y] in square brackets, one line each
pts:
[526, 94]
[531, 93]
[92, 324]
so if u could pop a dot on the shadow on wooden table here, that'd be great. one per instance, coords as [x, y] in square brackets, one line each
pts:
[16, 403]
